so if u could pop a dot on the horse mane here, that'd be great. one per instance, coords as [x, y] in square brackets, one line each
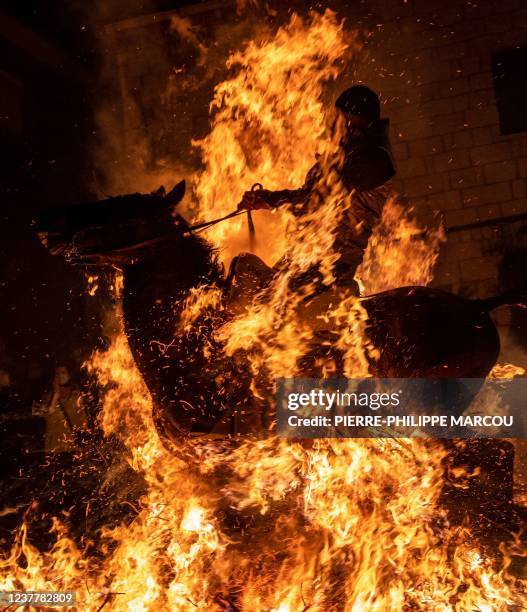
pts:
[204, 256]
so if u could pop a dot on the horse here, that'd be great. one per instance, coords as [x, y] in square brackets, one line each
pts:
[419, 332]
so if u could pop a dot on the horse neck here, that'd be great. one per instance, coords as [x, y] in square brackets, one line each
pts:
[155, 287]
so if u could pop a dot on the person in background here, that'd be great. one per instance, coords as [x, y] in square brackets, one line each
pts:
[63, 412]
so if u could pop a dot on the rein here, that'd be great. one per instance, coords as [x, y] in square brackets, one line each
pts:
[199, 227]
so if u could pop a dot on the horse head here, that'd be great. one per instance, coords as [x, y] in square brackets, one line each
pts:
[115, 231]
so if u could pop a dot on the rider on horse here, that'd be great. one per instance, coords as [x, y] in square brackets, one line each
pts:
[364, 168]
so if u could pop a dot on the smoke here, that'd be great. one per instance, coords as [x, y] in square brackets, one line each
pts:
[157, 81]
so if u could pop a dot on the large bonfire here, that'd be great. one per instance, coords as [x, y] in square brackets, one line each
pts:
[269, 524]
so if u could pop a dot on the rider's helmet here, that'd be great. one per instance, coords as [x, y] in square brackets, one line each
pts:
[360, 101]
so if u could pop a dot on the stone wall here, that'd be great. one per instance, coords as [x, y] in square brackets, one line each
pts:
[432, 63]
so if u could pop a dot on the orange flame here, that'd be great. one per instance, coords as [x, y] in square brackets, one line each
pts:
[269, 524]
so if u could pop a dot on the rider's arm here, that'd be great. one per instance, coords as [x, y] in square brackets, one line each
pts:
[292, 196]
[274, 199]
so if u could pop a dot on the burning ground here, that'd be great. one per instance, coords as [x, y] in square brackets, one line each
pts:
[261, 523]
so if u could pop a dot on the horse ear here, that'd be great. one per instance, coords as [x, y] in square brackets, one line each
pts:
[176, 195]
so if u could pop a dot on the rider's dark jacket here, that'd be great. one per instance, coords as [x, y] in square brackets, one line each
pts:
[364, 169]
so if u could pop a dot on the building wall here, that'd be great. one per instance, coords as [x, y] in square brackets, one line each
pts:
[432, 63]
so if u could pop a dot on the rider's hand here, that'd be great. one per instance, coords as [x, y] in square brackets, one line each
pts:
[253, 200]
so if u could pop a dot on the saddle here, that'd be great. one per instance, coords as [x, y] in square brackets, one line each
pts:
[249, 277]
